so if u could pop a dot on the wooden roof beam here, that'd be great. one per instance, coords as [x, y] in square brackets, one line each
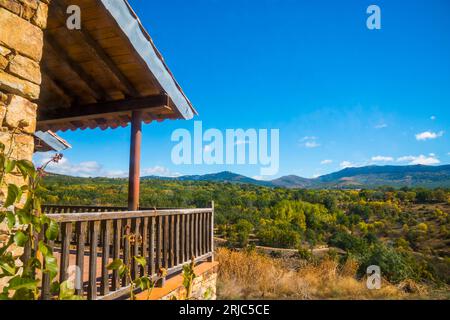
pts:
[92, 86]
[58, 87]
[95, 49]
[102, 110]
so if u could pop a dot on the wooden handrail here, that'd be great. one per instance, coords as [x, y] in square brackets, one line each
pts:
[100, 216]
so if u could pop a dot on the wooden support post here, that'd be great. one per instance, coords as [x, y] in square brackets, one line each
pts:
[211, 233]
[135, 161]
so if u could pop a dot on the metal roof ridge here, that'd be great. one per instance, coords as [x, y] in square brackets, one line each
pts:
[132, 27]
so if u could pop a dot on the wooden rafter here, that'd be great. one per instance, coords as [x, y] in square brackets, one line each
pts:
[94, 88]
[103, 110]
[96, 50]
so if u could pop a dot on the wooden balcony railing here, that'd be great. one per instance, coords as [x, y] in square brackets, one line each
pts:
[91, 237]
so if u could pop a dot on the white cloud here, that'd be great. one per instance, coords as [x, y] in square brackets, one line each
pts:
[346, 164]
[159, 171]
[261, 178]
[82, 169]
[433, 118]
[114, 174]
[326, 162]
[427, 135]
[306, 138]
[381, 126]
[93, 168]
[309, 142]
[421, 159]
[312, 144]
[382, 159]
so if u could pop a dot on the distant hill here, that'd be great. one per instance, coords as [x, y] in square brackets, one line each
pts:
[292, 182]
[362, 177]
[225, 176]
[396, 176]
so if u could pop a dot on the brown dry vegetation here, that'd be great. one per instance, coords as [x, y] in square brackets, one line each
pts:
[250, 275]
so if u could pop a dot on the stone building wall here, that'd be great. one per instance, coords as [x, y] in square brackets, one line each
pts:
[21, 44]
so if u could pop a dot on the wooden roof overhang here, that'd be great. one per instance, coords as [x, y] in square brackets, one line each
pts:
[97, 76]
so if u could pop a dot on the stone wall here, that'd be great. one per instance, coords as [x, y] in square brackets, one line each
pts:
[204, 287]
[21, 45]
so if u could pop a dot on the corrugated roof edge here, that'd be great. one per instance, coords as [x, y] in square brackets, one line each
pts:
[132, 27]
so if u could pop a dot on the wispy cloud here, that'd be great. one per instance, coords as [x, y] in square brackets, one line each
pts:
[326, 162]
[433, 118]
[306, 138]
[66, 167]
[346, 164]
[159, 171]
[381, 126]
[261, 178]
[382, 159]
[312, 144]
[309, 142]
[421, 159]
[428, 135]
[88, 169]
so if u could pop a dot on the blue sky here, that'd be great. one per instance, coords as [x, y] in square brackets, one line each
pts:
[340, 94]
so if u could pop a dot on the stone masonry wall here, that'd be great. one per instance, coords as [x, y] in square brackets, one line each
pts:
[21, 44]
[204, 287]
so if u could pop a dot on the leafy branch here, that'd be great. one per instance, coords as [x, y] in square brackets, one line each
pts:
[24, 220]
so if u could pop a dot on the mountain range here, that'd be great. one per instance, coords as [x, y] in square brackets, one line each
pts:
[348, 178]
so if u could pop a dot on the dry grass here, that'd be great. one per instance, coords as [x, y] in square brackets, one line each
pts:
[250, 275]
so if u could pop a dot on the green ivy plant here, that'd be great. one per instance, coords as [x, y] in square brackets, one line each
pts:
[24, 219]
[188, 277]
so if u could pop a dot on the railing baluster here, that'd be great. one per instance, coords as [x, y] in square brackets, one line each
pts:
[81, 240]
[93, 232]
[66, 236]
[159, 243]
[166, 243]
[171, 240]
[117, 225]
[183, 238]
[202, 233]
[144, 232]
[208, 231]
[177, 240]
[135, 248]
[151, 247]
[106, 231]
[211, 232]
[192, 236]
[197, 238]
[126, 249]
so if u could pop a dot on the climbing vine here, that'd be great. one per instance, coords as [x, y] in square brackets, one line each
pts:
[24, 256]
